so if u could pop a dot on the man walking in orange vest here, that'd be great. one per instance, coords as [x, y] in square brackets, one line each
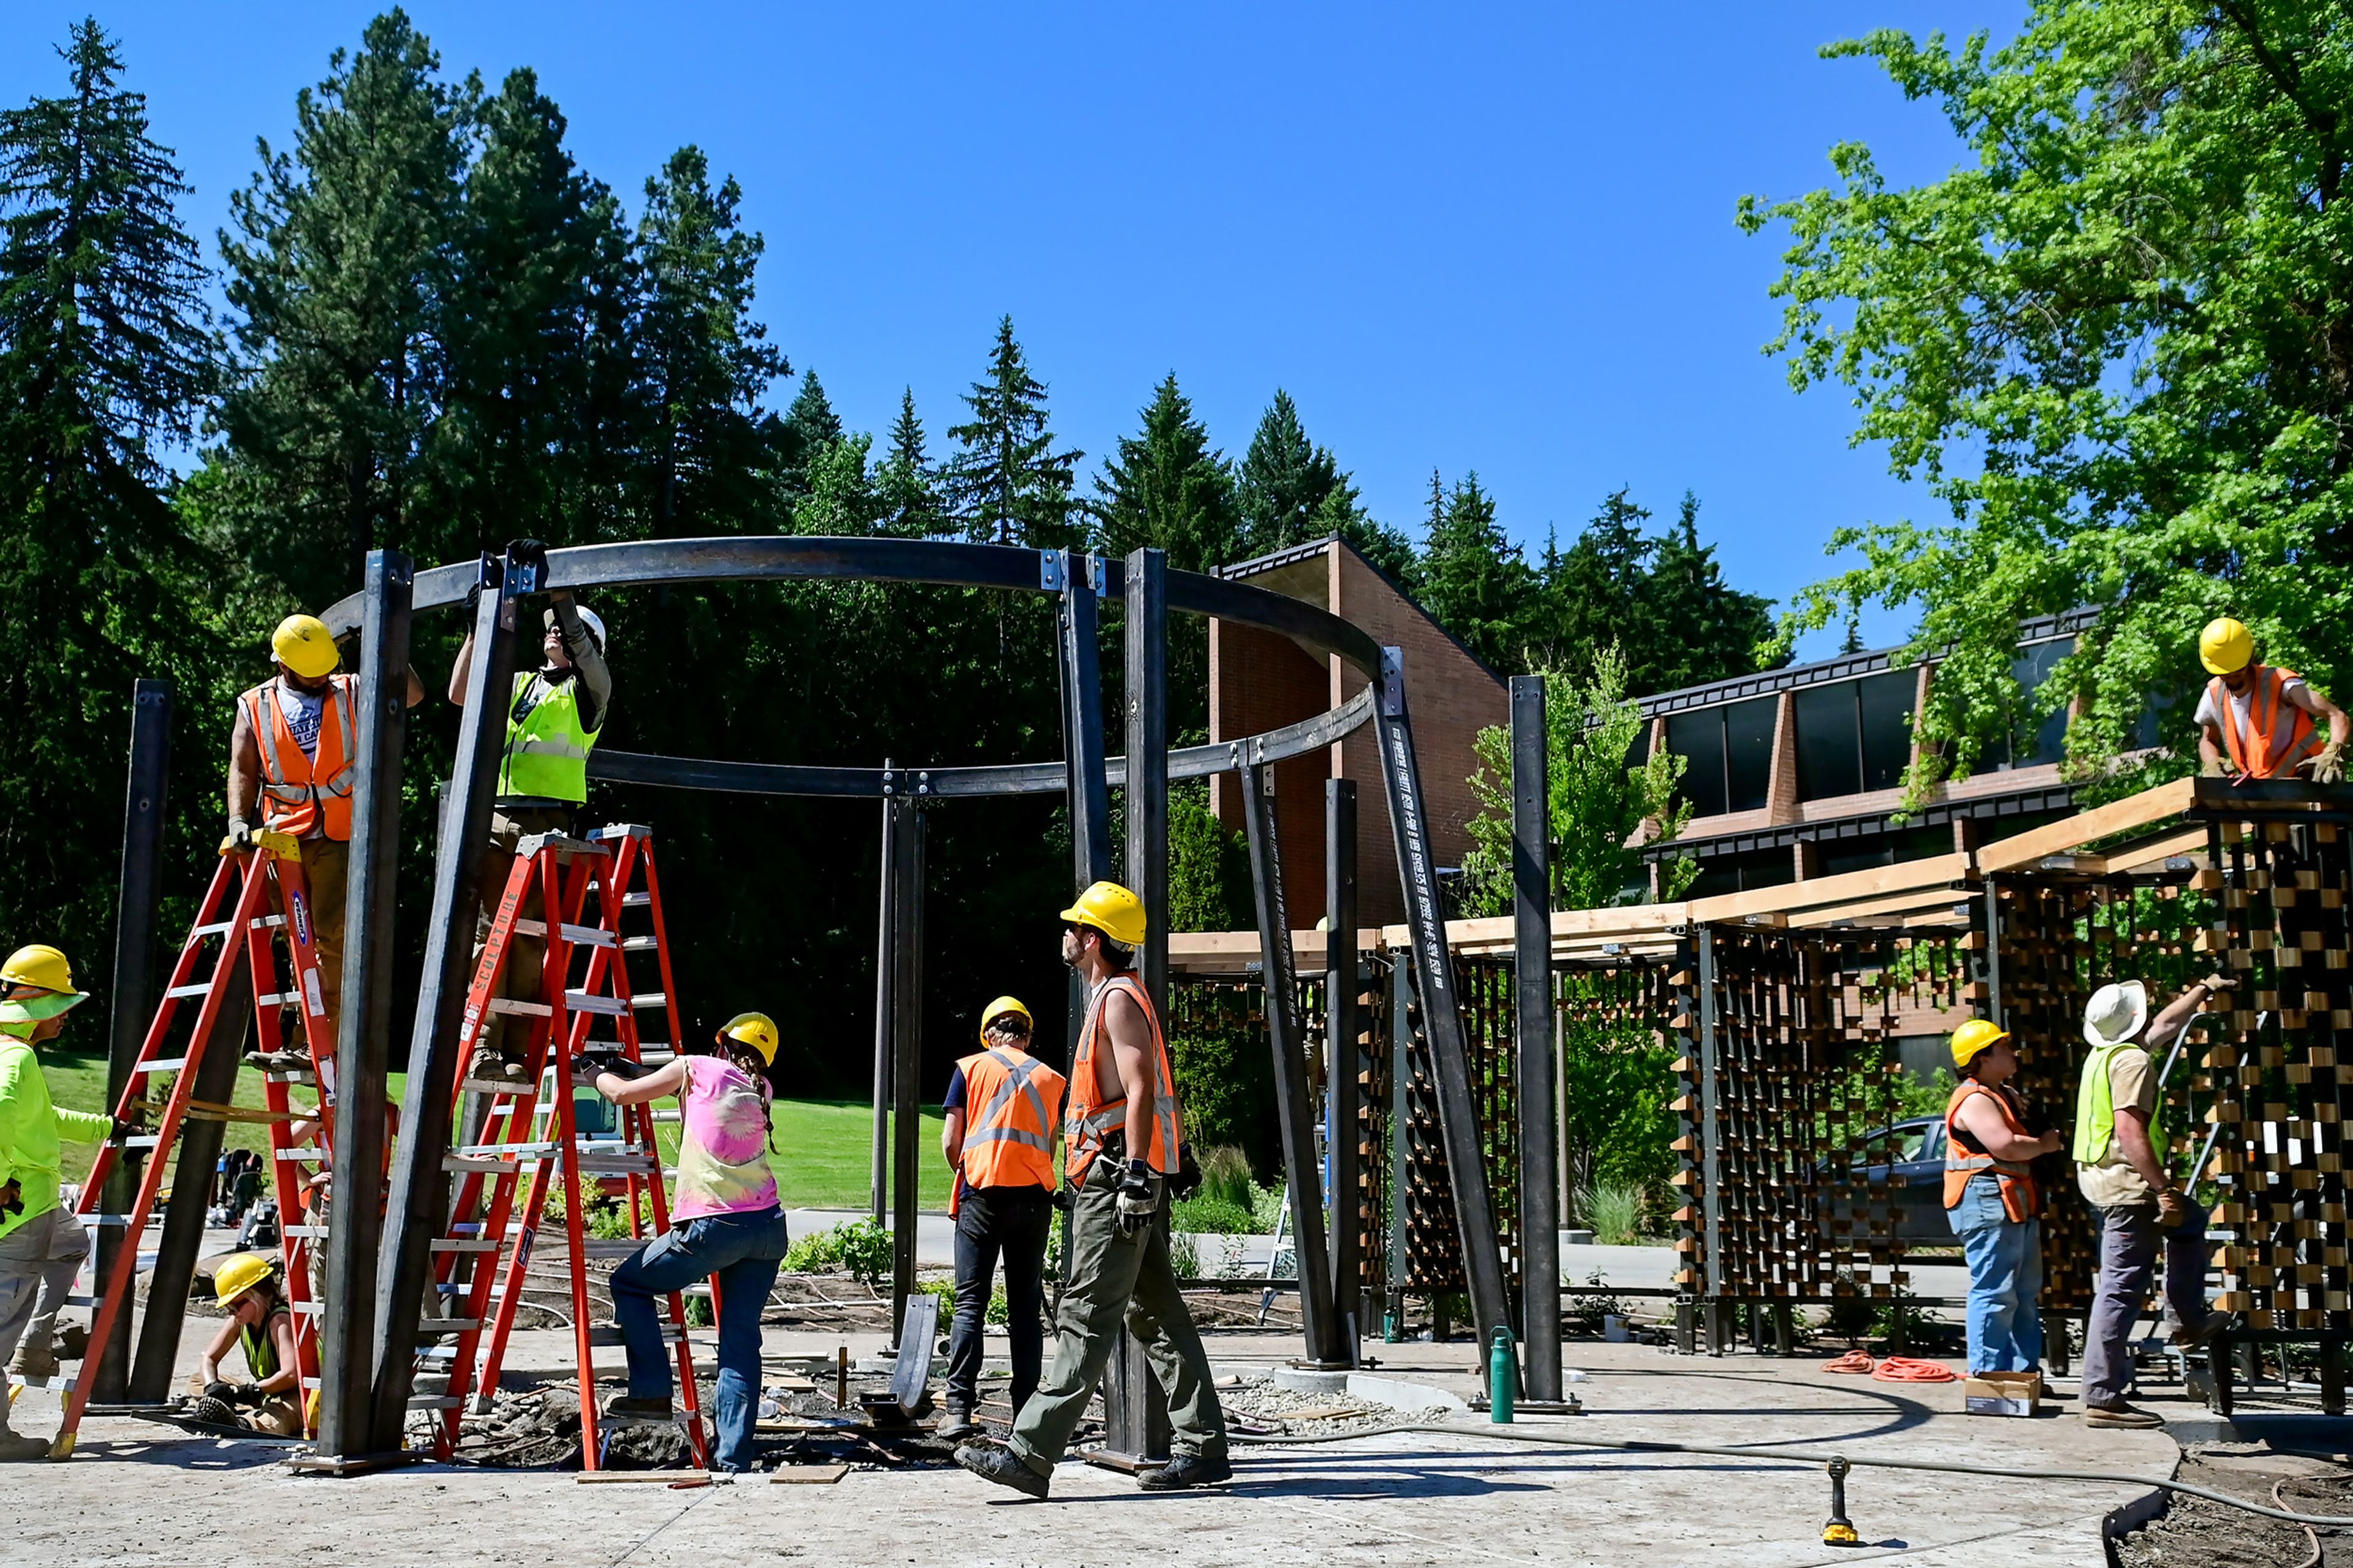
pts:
[1002, 1105]
[1122, 1105]
[2263, 719]
[289, 754]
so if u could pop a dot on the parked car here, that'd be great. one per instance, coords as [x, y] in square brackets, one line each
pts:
[1913, 1151]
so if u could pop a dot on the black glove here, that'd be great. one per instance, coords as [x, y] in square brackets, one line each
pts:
[124, 1127]
[224, 1392]
[247, 1394]
[1139, 1197]
[1187, 1179]
[12, 1197]
[605, 1056]
[527, 565]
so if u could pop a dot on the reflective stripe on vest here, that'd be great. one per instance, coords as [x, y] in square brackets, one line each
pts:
[1009, 1139]
[2267, 749]
[300, 794]
[2095, 1109]
[1091, 1117]
[2021, 1195]
[547, 749]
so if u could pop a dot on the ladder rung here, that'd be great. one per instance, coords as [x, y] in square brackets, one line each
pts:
[585, 936]
[434, 1401]
[147, 1140]
[465, 1247]
[495, 1086]
[638, 944]
[670, 1116]
[296, 1077]
[277, 999]
[636, 900]
[468, 1227]
[299, 1155]
[582, 1002]
[460, 1164]
[449, 1325]
[528, 1009]
[100, 1220]
[621, 1163]
[304, 1232]
[650, 999]
[161, 1064]
[268, 923]
[509, 1151]
[610, 1247]
[219, 928]
[176, 991]
[309, 1308]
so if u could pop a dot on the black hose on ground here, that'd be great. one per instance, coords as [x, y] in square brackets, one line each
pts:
[1791, 1455]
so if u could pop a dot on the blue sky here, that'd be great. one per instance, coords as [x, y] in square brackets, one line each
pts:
[1465, 237]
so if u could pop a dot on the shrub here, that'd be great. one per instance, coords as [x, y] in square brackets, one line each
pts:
[1225, 1175]
[1612, 1211]
[865, 1250]
[1212, 1216]
[1225, 1080]
[813, 1254]
[1184, 1257]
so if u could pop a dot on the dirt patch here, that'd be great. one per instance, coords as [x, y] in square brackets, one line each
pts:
[2196, 1533]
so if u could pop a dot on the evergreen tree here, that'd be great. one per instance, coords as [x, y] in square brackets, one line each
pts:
[1166, 487]
[105, 360]
[1284, 481]
[1473, 579]
[905, 482]
[1706, 629]
[810, 427]
[1005, 483]
[338, 272]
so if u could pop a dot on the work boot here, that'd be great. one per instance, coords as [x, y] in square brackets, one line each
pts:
[73, 1342]
[1187, 1470]
[622, 1407]
[995, 1462]
[210, 1412]
[2121, 1416]
[2191, 1338]
[279, 1062]
[34, 1365]
[956, 1422]
[17, 1450]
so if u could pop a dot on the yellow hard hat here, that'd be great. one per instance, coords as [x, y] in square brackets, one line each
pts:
[1110, 909]
[239, 1274]
[2225, 647]
[1972, 1039]
[303, 645]
[39, 965]
[756, 1030]
[997, 1009]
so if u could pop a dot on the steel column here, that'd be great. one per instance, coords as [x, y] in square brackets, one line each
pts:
[1086, 784]
[879, 1186]
[1711, 1140]
[1294, 1108]
[419, 1205]
[137, 896]
[1532, 1040]
[1433, 965]
[906, 1050]
[364, 1023]
[1342, 1066]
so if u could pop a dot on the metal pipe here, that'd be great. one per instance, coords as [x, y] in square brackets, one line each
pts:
[418, 1205]
[879, 1186]
[363, 1024]
[907, 1054]
[138, 896]
[1532, 1090]
[1343, 1060]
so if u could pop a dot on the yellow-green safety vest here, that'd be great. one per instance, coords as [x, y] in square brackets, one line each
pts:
[2095, 1109]
[547, 749]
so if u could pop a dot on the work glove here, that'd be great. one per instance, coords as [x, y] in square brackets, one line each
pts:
[12, 1197]
[528, 559]
[247, 1394]
[2328, 768]
[224, 1392]
[1139, 1197]
[2216, 768]
[240, 836]
[124, 1126]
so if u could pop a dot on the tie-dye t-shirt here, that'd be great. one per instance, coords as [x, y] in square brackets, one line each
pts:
[722, 1160]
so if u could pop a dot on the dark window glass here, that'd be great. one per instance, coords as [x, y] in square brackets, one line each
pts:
[2156, 715]
[1699, 738]
[1720, 873]
[1839, 857]
[1829, 752]
[1886, 703]
[1748, 753]
[2047, 742]
[1639, 752]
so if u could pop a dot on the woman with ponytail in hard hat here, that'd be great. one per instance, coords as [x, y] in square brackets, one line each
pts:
[1993, 1202]
[725, 1225]
[260, 1321]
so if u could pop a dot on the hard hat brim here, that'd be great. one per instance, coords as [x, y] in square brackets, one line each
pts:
[1981, 1048]
[40, 1009]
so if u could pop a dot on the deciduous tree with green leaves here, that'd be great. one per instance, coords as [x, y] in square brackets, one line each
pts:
[2116, 345]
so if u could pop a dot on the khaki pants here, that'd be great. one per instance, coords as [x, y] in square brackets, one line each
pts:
[506, 1034]
[1118, 1279]
[39, 1260]
[326, 873]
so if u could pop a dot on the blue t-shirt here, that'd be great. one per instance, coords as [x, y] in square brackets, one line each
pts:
[955, 1101]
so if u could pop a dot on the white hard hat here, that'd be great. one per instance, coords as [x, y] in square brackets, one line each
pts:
[2115, 1013]
[588, 618]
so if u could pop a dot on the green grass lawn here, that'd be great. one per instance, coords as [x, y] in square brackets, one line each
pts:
[822, 1146]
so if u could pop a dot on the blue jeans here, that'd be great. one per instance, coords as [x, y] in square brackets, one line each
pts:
[742, 1251]
[2005, 1280]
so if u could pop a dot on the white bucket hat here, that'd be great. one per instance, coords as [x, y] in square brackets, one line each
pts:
[2115, 1013]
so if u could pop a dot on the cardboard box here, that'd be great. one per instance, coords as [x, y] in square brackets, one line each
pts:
[2002, 1393]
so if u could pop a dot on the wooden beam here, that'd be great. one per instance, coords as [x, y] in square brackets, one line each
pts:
[1790, 897]
[2150, 806]
[2188, 841]
[1895, 903]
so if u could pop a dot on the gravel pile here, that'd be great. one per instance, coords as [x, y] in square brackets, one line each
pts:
[1256, 1405]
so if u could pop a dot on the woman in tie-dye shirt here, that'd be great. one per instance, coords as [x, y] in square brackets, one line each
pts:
[724, 1224]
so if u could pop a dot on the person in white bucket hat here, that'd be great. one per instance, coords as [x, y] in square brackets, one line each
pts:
[2119, 1150]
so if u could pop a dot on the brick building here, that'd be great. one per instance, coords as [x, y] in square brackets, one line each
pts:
[1258, 680]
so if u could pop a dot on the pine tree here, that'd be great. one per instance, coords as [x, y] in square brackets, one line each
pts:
[1474, 578]
[1006, 484]
[1708, 630]
[810, 427]
[340, 276]
[905, 480]
[1167, 489]
[1283, 482]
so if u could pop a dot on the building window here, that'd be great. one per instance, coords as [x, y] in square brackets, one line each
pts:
[1728, 755]
[1744, 872]
[2047, 740]
[1698, 739]
[1854, 735]
[1885, 701]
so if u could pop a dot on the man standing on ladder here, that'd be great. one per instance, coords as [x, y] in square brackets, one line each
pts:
[553, 721]
[1001, 1108]
[42, 1243]
[2259, 721]
[1122, 1105]
[290, 752]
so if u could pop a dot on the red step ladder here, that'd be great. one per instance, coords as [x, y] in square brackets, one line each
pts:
[592, 887]
[257, 901]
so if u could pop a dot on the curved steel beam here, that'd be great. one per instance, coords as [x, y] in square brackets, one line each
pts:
[789, 557]
[1016, 778]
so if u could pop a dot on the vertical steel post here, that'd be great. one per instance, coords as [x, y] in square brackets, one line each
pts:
[363, 1024]
[907, 1052]
[1533, 1039]
[1342, 1063]
[419, 1203]
[1434, 966]
[1710, 1137]
[1086, 788]
[1294, 1110]
[878, 1188]
[137, 896]
[1136, 1410]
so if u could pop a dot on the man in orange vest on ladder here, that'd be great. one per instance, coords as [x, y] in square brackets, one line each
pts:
[1124, 1105]
[2259, 721]
[1001, 1107]
[290, 755]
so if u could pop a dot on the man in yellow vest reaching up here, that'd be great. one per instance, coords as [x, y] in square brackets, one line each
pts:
[2119, 1150]
[2259, 721]
[290, 771]
[553, 717]
[1122, 1105]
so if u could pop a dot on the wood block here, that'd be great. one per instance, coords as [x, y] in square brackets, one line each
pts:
[807, 1475]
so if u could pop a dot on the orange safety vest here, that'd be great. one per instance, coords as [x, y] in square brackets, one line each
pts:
[1009, 1099]
[2271, 749]
[2021, 1197]
[301, 795]
[1092, 1117]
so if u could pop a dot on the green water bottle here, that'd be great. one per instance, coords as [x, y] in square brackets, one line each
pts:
[1502, 1377]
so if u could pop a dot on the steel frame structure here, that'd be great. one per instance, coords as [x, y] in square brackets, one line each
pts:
[364, 1408]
